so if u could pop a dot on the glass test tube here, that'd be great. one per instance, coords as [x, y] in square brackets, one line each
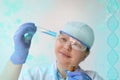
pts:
[48, 32]
[28, 36]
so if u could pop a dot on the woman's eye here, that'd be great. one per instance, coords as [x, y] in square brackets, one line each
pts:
[63, 39]
[77, 45]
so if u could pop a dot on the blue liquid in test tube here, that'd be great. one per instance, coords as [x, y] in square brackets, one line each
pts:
[48, 32]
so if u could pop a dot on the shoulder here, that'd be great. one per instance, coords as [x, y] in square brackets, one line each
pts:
[40, 69]
[94, 75]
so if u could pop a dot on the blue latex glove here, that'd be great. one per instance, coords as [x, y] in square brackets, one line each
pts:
[22, 41]
[77, 75]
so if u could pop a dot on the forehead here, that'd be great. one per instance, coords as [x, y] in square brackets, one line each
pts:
[68, 37]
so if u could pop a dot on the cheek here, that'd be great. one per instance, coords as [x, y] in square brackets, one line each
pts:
[77, 58]
[57, 47]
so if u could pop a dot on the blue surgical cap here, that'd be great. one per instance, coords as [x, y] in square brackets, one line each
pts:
[79, 31]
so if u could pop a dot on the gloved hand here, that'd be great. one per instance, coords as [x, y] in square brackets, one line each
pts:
[22, 42]
[77, 75]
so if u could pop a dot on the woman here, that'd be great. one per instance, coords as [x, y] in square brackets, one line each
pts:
[72, 46]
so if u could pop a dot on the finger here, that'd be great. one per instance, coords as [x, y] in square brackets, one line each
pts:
[74, 74]
[26, 27]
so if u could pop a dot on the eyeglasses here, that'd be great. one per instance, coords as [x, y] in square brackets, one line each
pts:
[76, 45]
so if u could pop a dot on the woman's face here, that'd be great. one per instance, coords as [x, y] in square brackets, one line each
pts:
[68, 51]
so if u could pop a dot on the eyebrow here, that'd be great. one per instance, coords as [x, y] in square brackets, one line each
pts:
[69, 37]
[63, 35]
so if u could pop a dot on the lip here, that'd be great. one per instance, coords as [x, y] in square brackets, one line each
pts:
[65, 54]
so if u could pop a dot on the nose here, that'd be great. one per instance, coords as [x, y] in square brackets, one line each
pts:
[67, 46]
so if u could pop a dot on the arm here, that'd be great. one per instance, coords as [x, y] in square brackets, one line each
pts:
[11, 71]
[22, 42]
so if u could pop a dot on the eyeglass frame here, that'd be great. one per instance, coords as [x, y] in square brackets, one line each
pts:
[72, 44]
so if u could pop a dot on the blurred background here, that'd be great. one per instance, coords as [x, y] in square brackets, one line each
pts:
[102, 15]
